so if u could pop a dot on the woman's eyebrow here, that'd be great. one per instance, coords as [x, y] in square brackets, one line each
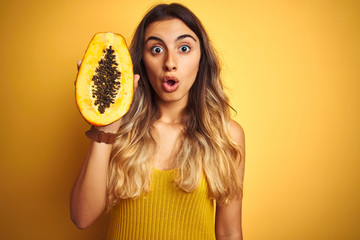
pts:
[177, 39]
[154, 38]
[185, 36]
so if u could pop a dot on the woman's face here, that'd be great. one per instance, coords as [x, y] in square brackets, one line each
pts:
[171, 57]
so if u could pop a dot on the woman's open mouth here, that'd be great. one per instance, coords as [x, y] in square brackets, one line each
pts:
[170, 83]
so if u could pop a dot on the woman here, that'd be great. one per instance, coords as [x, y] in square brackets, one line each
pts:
[177, 156]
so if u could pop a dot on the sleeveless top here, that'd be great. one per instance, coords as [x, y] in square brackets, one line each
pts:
[166, 212]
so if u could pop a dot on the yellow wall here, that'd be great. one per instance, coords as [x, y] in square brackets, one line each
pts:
[292, 69]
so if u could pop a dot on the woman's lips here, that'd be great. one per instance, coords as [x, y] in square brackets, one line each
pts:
[170, 83]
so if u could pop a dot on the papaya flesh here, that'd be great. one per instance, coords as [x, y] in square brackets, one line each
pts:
[104, 86]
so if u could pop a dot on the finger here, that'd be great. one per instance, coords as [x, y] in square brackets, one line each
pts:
[78, 64]
[136, 81]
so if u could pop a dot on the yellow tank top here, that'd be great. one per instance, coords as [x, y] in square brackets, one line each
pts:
[165, 213]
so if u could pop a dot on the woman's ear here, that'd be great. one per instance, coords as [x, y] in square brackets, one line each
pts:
[136, 81]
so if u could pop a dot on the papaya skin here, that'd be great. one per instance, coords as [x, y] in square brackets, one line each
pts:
[83, 85]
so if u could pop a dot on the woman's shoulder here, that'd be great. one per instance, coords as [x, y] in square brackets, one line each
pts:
[237, 132]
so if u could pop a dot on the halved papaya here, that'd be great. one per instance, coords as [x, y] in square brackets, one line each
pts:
[104, 84]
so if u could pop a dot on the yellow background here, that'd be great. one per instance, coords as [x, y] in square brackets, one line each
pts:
[291, 68]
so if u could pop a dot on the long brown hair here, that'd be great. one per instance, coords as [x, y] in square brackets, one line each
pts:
[206, 145]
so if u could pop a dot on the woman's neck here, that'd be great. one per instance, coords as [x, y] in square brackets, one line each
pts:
[170, 112]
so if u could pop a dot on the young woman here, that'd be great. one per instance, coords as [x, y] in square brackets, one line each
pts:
[176, 168]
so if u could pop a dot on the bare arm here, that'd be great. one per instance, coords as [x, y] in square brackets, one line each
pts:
[88, 196]
[228, 217]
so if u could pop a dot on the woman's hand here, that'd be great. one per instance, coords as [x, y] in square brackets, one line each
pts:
[113, 127]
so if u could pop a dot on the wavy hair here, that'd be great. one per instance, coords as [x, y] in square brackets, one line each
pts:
[206, 145]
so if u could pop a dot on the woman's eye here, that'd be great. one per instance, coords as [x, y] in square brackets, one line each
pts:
[185, 48]
[156, 50]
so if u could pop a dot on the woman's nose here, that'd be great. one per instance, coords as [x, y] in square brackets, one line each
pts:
[170, 62]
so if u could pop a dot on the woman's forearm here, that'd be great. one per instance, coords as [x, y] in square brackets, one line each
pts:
[88, 197]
